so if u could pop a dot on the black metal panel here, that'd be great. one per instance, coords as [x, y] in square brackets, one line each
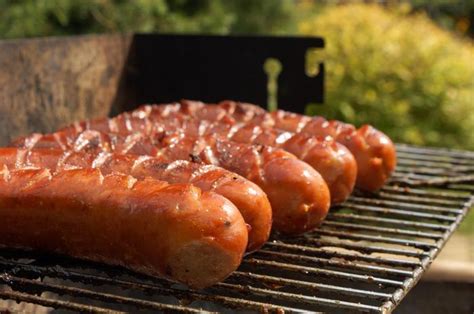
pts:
[213, 68]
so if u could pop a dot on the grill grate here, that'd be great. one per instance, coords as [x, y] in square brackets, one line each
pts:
[366, 256]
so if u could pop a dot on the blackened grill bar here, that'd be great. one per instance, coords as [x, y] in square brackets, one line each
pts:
[366, 256]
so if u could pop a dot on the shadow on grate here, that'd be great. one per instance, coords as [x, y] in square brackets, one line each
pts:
[365, 257]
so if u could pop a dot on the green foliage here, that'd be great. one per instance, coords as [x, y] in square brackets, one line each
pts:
[27, 18]
[398, 72]
[455, 15]
[393, 69]
[262, 16]
[467, 226]
[60, 17]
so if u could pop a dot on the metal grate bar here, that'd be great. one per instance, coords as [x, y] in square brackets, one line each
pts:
[323, 272]
[417, 180]
[462, 187]
[435, 160]
[339, 225]
[438, 154]
[427, 161]
[22, 282]
[410, 214]
[57, 304]
[81, 277]
[411, 224]
[406, 165]
[360, 247]
[443, 194]
[435, 151]
[321, 252]
[303, 299]
[412, 176]
[418, 199]
[404, 205]
[319, 261]
[371, 238]
[227, 300]
[411, 281]
[272, 281]
[443, 181]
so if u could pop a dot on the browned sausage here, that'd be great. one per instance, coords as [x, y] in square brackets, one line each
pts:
[251, 201]
[374, 152]
[332, 160]
[170, 230]
[298, 195]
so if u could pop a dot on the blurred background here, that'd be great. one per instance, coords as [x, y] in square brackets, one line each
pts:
[405, 67]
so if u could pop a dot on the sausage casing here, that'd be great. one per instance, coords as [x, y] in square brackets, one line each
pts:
[174, 231]
[298, 195]
[373, 151]
[332, 160]
[251, 201]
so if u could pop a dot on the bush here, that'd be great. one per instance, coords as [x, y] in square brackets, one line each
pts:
[398, 72]
[28, 18]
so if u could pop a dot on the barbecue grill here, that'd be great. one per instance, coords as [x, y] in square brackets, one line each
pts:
[367, 255]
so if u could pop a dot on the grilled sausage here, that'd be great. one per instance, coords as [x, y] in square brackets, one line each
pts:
[298, 195]
[174, 231]
[374, 152]
[332, 160]
[251, 201]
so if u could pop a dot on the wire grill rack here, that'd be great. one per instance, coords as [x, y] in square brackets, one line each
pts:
[366, 256]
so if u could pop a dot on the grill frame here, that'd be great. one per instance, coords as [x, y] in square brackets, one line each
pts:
[383, 242]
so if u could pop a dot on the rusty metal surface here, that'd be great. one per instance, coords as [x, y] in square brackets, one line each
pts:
[368, 254]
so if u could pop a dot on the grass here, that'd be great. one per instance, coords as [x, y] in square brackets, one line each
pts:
[467, 226]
